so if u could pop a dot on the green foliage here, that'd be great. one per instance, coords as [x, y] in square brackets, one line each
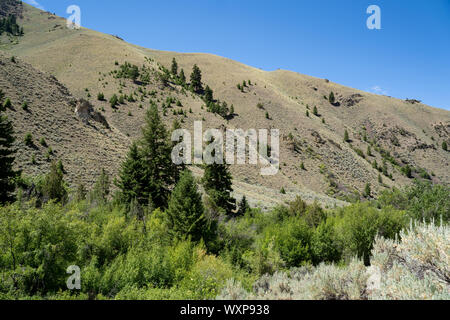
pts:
[196, 79]
[28, 139]
[331, 98]
[407, 171]
[346, 136]
[101, 189]
[100, 96]
[7, 156]
[367, 191]
[316, 111]
[185, 212]
[9, 25]
[128, 71]
[358, 225]
[243, 206]
[114, 101]
[150, 257]
[423, 201]
[208, 97]
[217, 181]
[148, 173]
[7, 104]
[43, 142]
[174, 67]
[444, 146]
[53, 186]
[302, 166]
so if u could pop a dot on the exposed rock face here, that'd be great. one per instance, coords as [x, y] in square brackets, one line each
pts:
[85, 111]
[413, 101]
[443, 130]
[352, 100]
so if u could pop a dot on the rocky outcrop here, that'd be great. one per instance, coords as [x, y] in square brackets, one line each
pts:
[85, 111]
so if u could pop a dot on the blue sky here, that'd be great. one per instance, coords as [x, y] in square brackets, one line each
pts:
[408, 58]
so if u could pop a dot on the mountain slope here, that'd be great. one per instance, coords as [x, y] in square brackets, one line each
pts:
[399, 132]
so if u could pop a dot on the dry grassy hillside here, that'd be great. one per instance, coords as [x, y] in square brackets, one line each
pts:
[400, 133]
[44, 108]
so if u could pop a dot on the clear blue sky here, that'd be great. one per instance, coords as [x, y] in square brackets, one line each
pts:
[408, 58]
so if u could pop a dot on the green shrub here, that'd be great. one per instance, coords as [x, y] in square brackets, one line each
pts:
[28, 139]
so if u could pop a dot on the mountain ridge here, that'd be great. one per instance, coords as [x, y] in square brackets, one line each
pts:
[85, 59]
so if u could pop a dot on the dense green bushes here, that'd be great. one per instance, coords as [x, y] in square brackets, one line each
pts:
[122, 256]
[415, 268]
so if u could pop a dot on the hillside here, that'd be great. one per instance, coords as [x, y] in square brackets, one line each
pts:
[399, 133]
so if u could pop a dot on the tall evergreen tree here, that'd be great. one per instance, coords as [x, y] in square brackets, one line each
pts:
[7, 156]
[130, 177]
[217, 181]
[196, 79]
[159, 174]
[185, 213]
[182, 78]
[174, 67]
[243, 206]
[208, 94]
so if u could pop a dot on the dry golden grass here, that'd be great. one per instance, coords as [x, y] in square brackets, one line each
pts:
[83, 58]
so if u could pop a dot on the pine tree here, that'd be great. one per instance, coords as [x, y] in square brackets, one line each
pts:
[444, 146]
[331, 98]
[208, 95]
[7, 156]
[174, 67]
[185, 212]
[243, 206]
[54, 187]
[367, 191]
[316, 111]
[217, 181]
[130, 177]
[159, 172]
[182, 78]
[196, 79]
[346, 136]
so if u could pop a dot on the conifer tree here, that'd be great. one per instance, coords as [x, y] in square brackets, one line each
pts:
[243, 206]
[185, 212]
[7, 156]
[444, 146]
[332, 98]
[159, 173]
[196, 79]
[346, 136]
[208, 95]
[217, 181]
[174, 67]
[367, 191]
[182, 78]
[315, 111]
[130, 177]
